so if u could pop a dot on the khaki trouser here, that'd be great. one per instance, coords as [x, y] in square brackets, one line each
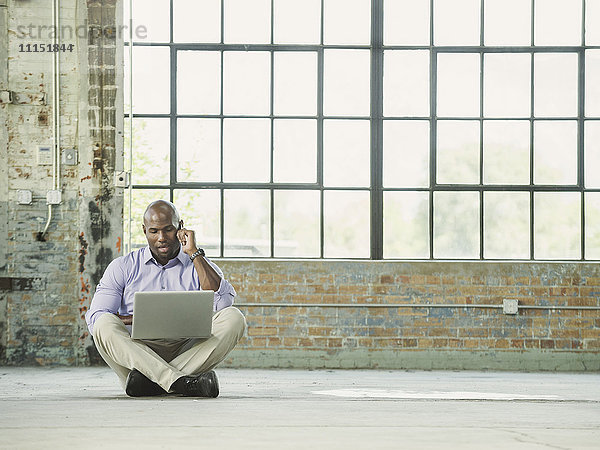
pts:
[165, 360]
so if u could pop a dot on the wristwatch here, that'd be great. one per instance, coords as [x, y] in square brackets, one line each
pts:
[199, 252]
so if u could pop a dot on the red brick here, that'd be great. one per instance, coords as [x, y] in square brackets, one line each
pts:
[546, 343]
[591, 343]
[408, 343]
[517, 343]
[471, 343]
[262, 331]
[386, 279]
[501, 343]
[305, 342]
[273, 342]
[440, 342]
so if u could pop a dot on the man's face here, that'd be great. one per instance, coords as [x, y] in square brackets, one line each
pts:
[161, 233]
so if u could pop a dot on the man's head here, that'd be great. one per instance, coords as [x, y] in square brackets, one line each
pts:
[161, 222]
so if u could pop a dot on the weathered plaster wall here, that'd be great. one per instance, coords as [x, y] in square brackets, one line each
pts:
[46, 285]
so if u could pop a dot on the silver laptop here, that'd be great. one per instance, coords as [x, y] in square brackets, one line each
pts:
[172, 314]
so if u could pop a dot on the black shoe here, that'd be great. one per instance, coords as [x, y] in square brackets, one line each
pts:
[203, 385]
[138, 385]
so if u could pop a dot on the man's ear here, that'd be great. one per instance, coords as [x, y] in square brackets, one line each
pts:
[180, 225]
[144, 228]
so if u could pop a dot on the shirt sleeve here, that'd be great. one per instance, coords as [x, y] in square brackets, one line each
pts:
[225, 294]
[109, 293]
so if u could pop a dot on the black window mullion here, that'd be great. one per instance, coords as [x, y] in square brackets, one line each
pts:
[581, 141]
[173, 118]
[320, 68]
[481, 71]
[432, 145]
[271, 147]
[376, 152]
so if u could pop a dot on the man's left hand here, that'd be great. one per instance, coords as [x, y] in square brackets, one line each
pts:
[188, 241]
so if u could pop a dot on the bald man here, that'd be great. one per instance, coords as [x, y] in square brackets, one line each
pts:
[171, 261]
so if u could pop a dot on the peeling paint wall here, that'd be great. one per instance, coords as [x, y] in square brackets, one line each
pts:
[41, 320]
[3, 173]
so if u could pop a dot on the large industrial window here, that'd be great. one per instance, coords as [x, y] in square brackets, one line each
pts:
[405, 129]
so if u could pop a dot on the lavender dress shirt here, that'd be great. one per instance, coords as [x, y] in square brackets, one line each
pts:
[139, 271]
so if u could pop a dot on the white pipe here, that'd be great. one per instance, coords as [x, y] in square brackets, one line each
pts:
[130, 80]
[55, 108]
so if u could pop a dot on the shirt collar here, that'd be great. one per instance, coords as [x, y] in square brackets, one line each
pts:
[181, 256]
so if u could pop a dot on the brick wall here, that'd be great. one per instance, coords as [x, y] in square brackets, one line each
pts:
[383, 314]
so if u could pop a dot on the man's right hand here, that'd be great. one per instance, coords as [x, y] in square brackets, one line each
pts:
[127, 320]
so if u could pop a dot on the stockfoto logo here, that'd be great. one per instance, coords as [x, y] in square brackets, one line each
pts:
[65, 32]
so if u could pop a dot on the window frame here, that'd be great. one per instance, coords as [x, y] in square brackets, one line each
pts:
[376, 118]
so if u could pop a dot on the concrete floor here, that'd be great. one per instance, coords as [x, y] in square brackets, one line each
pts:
[85, 408]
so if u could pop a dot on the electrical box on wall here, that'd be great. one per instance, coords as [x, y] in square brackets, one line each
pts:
[69, 157]
[44, 155]
[510, 306]
[53, 197]
[24, 197]
[122, 179]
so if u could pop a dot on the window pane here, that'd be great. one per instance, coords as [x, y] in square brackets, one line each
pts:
[457, 152]
[246, 150]
[246, 83]
[456, 225]
[557, 22]
[297, 223]
[499, 13]
[506, 152]
[198, 82]
[406, 225]
[456, 22]
[555, 152]
[346, 146]
[295, 90]
[347, 22]
[294, 151]
[406, 22]
[140, 199]
[297, 22]
[151, 143]
[347, 234]
[150, 20]
[200, 210]
[346, 82]
[156, 81]
[592, 225]
[247, 222]
[506, 225]
[592, 87]
[199, 150]
[592, 154]
[555, 84]
[405, 153]
[592, 22]
[406, 83]
[557, 223]
[195, 21]
[458, 85]
[507, 85]
[247, 21]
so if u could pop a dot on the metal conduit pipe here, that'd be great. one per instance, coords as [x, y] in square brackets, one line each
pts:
[55, 110]
[404, 305]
